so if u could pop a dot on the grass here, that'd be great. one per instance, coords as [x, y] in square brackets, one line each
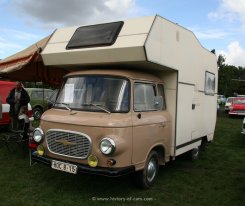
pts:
[216, 178]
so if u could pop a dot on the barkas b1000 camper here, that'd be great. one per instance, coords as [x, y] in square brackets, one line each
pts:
[140, 93]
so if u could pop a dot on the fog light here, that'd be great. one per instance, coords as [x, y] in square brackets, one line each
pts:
[92, 161]
[40, 150]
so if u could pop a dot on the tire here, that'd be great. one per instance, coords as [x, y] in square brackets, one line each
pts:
[204, 145]
[37, 113]
[194, 153]
[146, 177]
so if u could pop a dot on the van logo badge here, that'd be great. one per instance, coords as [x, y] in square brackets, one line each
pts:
[65, 142]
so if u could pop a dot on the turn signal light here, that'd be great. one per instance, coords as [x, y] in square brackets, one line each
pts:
[32, 146]
[110, 162]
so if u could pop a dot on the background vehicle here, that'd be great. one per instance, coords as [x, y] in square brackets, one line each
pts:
[1, 113]
[39, 100]
[5, 87]
[237, 106]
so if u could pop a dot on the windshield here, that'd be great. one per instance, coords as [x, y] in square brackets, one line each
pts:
[239, 101]
[229, 100]
[95, 93]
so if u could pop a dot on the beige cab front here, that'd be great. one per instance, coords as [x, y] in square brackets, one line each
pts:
[106, 122]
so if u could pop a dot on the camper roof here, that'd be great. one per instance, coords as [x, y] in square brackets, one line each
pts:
[145, 43]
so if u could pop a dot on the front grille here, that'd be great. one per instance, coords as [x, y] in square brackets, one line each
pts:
[68, 143]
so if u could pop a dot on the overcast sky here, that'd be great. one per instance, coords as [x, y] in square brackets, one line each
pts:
[218, 24]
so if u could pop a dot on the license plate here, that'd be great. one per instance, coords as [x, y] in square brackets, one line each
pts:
[65, 167]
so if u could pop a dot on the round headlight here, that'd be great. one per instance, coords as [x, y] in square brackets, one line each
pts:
[38, 135]
[107, 146]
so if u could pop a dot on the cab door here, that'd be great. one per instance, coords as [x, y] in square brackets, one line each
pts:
[150, 125]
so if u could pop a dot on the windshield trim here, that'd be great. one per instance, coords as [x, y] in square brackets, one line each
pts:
[89, 75]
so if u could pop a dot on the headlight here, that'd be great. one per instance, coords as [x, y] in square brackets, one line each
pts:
[107, 146]
[38, 135]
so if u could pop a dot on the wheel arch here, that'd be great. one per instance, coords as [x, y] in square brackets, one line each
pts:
[160, 153]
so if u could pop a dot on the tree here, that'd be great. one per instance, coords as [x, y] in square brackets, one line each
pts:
[231, 78]
[221, 61]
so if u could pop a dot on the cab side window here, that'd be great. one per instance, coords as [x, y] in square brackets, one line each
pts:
[144, 94]
[160, 89]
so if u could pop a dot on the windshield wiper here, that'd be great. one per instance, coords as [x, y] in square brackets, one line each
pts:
[101, 107]
[65, 105]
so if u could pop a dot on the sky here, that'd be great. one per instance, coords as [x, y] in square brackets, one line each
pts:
[218, 24]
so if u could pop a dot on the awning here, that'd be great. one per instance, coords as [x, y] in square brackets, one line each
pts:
[27, 65]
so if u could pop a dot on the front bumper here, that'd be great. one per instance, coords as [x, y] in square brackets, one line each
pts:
[237, 113]
[109, 172]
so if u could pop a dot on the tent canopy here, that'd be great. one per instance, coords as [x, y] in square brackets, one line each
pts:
[27, 65]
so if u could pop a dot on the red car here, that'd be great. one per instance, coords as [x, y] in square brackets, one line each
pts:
[5, 88]
[237, 106]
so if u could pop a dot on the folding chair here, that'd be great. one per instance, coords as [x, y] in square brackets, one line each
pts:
[18, 134]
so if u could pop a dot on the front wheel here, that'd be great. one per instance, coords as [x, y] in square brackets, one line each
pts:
[147, 176]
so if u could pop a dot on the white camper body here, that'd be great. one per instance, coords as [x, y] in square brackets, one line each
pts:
[156, 45]
[174, 53]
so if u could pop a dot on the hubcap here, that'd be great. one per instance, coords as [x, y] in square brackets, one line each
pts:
[195, 153]
[37, 114]
[151, 170]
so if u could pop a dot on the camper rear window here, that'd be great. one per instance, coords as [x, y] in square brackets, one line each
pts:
[95, 35]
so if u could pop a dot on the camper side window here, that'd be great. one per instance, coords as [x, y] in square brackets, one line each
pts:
[144, 94]
[160, 89]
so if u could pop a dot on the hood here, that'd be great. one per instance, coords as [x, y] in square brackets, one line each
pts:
[84, 118]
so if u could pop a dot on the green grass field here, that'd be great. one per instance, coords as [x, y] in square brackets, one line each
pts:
[216, 178]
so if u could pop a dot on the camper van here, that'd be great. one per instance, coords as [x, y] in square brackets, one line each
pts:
[139, 93]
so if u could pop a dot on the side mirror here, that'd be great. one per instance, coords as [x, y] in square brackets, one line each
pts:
[158, 102]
